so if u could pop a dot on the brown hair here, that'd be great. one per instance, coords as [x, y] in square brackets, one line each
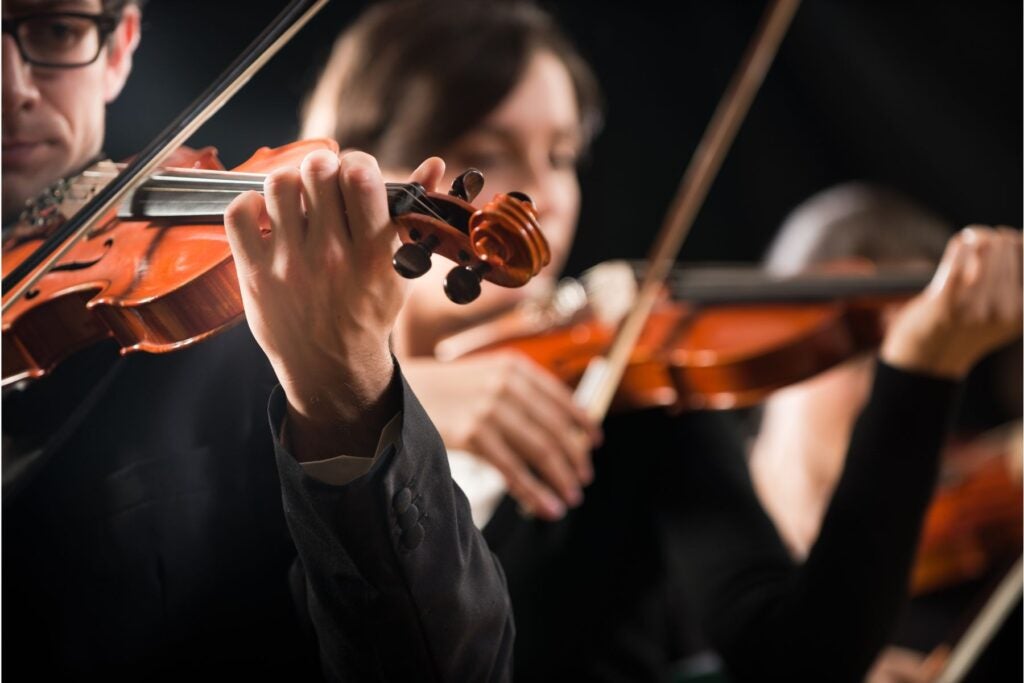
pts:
[114, 8]
[410, 76]
[857, 220]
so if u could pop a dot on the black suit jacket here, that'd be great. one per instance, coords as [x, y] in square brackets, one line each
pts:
[149, 540]
[399, 583]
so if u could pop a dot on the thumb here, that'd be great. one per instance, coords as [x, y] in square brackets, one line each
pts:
[950, 272]
[429, 173]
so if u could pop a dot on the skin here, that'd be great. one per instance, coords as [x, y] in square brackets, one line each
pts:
[314, 263]
[530, 143]
[972, 306]
[504, 407]
[798, 455]
[53, 119]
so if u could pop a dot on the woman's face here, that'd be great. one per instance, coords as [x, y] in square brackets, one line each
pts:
[529, 143]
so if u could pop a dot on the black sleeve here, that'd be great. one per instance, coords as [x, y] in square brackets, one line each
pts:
[400, 585]
[827, 619]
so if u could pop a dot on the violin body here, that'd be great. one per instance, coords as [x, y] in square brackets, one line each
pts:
[974, 521]
[151, 285]
[691, 357]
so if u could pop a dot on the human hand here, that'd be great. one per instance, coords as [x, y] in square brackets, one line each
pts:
[971, 307]
[515, 415]
[900, 665]
[313, 257]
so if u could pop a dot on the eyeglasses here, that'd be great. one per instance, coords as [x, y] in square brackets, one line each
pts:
[60, 40]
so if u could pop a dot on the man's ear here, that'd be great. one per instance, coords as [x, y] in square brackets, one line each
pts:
[123, 42]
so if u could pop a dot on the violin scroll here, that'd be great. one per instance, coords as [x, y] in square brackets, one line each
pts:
[500, 243]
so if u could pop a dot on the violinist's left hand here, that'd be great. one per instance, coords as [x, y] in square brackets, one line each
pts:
[971, 307]
[314, 264]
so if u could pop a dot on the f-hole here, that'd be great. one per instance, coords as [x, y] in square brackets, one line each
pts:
[82, 265]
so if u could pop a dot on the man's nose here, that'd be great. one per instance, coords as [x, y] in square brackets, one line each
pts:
[19, 88]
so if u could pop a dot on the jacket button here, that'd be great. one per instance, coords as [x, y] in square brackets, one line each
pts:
[402, 500]
[409, 518]
[412, 536]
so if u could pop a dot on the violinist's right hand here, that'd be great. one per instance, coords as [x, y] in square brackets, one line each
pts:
[512, 413]
[313, 258]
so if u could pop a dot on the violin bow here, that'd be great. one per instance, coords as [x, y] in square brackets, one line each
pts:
[601, 379]
[280, 31]
[984, 627]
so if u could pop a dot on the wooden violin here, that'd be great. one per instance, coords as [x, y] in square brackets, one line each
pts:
[159, 275]
[721, 337]
[974, 521]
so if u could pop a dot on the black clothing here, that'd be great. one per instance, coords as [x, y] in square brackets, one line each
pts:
[430, 607]
[151, 542]
[672, 528]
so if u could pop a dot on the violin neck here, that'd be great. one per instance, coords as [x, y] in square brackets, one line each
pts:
[763, 288]
[183, 193]
[203, 194]
[749, 284]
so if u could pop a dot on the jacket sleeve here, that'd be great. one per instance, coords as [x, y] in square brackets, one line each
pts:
[399, 584]
[826, 619]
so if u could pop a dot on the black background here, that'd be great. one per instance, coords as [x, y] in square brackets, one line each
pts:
[922, 96]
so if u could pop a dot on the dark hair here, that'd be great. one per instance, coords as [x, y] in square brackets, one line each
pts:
[114, 8]
[857, 220]
[410, 76]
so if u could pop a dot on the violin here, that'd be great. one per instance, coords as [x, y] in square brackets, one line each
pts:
[158, 275]
[720, 337]
[974, 521]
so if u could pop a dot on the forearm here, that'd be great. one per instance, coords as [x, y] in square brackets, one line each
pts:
[400, 585]
[837, 609]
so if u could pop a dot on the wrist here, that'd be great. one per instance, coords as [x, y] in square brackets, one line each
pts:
[342, 388]
[340, 409]
[936, 358]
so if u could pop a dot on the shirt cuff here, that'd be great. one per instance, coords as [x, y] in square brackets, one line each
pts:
[343, 469]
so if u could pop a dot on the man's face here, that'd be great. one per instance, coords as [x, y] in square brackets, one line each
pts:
[53, 118]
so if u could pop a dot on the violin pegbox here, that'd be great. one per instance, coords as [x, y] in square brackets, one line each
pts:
[500, 243]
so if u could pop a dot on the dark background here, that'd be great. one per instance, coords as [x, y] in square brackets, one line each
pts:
[921, 96]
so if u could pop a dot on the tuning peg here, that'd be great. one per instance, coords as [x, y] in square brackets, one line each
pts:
[462, 284]
[523, 197]
[468, 185]
[412, 260]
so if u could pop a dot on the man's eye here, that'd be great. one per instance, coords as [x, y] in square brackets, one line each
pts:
[63, 31]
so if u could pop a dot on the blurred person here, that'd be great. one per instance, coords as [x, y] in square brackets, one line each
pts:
[799, 451]
[146, 504]
[626, 544]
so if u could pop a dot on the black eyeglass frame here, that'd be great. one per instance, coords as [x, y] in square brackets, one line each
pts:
[105, 25]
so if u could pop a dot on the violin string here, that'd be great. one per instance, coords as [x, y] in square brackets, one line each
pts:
[88, 177]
